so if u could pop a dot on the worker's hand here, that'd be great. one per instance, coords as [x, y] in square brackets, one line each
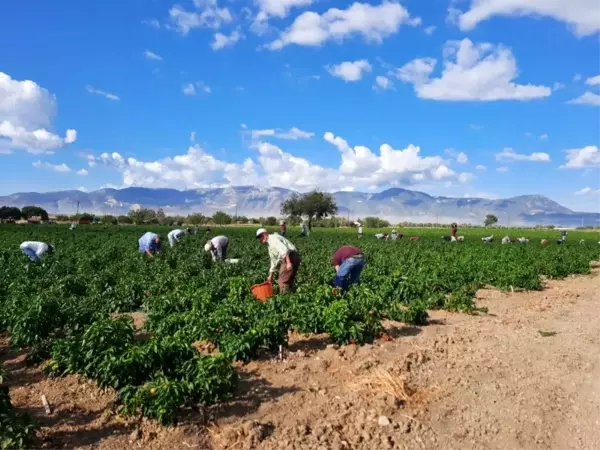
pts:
[270, 278]
[288, 266]
[337, 268]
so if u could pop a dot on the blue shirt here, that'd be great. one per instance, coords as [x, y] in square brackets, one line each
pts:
[148, 242]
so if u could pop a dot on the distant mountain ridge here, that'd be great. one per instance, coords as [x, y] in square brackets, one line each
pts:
[395, 204]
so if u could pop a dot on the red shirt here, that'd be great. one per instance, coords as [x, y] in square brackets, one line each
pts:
[343, 253]
[454, 231]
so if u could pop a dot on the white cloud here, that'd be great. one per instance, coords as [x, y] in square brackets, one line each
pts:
[508, 154]
[82, 172]
[190, 88]
[193, 137]
[63, 168]
[152, 23]
[293, 134]
[273, 8]
[593, 81]
[453, 16]
[223, 40]
[26, 113]
[105, 94]
[383, 84]
[583, 16]
[578, 158]
[462, 158]
[373, 23]
[207, 15]
[430, 29]
[472, 72]
[557, 86]
[577, 78]
[543, 137]
[502, 169]
[588, 191]
[480, 167]
[152, 56]
[350, 70]
[587, 98]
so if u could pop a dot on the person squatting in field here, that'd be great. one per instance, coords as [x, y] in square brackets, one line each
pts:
[283, 228]
[348, 262]
[175, 235]
[149, 243]
[282, 253]
[217, 247]
[35, 250]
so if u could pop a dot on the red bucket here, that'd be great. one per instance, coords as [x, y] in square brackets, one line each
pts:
[262, 291]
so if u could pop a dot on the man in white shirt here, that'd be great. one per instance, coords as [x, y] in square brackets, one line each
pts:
[35, 250]
[217, 246]
[284, 254]
[176, 235]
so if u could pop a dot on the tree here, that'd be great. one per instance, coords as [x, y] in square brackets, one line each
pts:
[33, 211]
[62, 218]
[375, 222]
[195, 219]
[490, 219]
[161, 217]
[142, 215]
[271, 221]
[125, 220]
[314, 205]
[221, 218]
[109, 219]
[10, 213]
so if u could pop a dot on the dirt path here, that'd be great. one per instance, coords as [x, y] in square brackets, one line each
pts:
[526, 375]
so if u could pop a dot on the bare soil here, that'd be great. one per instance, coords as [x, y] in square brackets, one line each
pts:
[525, 375]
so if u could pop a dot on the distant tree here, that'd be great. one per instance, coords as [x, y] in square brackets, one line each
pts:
[62, 218]
[161, 217]
[10, 213]
[253, 221]
[375, 222]
[86, 216]
[175, 220]
[109, 219]
[490, 219]
[315, 205]
[240, 219]
[271, 221]
[124, 220]
[33, 211]
[221, 218]
[195, 219]
[142, 215]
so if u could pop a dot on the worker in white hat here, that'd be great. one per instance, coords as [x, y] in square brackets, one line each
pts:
[217, 246]
[284, 254]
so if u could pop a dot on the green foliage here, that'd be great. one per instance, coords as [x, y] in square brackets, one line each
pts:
[16, 430]
[314, 205]
[221, 218]
[490, 219]
[9, 213]
[33, 211]
[375, 222]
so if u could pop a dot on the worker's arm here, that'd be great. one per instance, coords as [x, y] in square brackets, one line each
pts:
[149, 253]
[337, 268]
[288, 262]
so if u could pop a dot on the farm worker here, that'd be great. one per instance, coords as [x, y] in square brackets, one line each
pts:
[176, 235]
[380, 236]
[488, 239]
[460, 238]
[348, 262]
[454, 229]
[217, 246]
[282, 253]
[303, 229]
[544, 242]
[283, 228]
[73, 226]
[35, 250]
[523, 240]
[506, 240]
[359, 229]
[149, 243]
[394, 235]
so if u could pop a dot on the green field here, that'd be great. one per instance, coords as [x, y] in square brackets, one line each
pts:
[63, 310]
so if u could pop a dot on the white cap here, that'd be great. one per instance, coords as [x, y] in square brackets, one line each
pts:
[260, 231]
[207, 246]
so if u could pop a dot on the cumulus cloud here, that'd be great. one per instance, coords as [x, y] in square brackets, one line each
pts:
[190, 88]
[26, 114]
[207, 14]
[82, 172]
[587, 98]
[587, 191]
[471, 72]
[430, 29]
[372, 22]
[108, 95]
[293, 134]
[480, 167]
[593, 81]
[152, 56]
[274, 8]
[579, 158]
[350, 70]
[543, 137]
[152, 23]
[461, 157]
[508, 154]
[223, 40]
[63, 168]
[383, 84]
[582, 16]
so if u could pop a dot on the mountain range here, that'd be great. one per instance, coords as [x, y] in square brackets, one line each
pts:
[395, 204]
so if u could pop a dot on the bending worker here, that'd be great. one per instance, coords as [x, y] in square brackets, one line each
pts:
[348, 262]
[282, 253]
[176, 235]
[35, 250]
[217, 246]
[149, 243]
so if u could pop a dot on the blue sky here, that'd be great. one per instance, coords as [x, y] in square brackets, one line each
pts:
[488, 98]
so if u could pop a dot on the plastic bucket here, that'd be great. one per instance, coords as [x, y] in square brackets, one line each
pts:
[262, 291]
